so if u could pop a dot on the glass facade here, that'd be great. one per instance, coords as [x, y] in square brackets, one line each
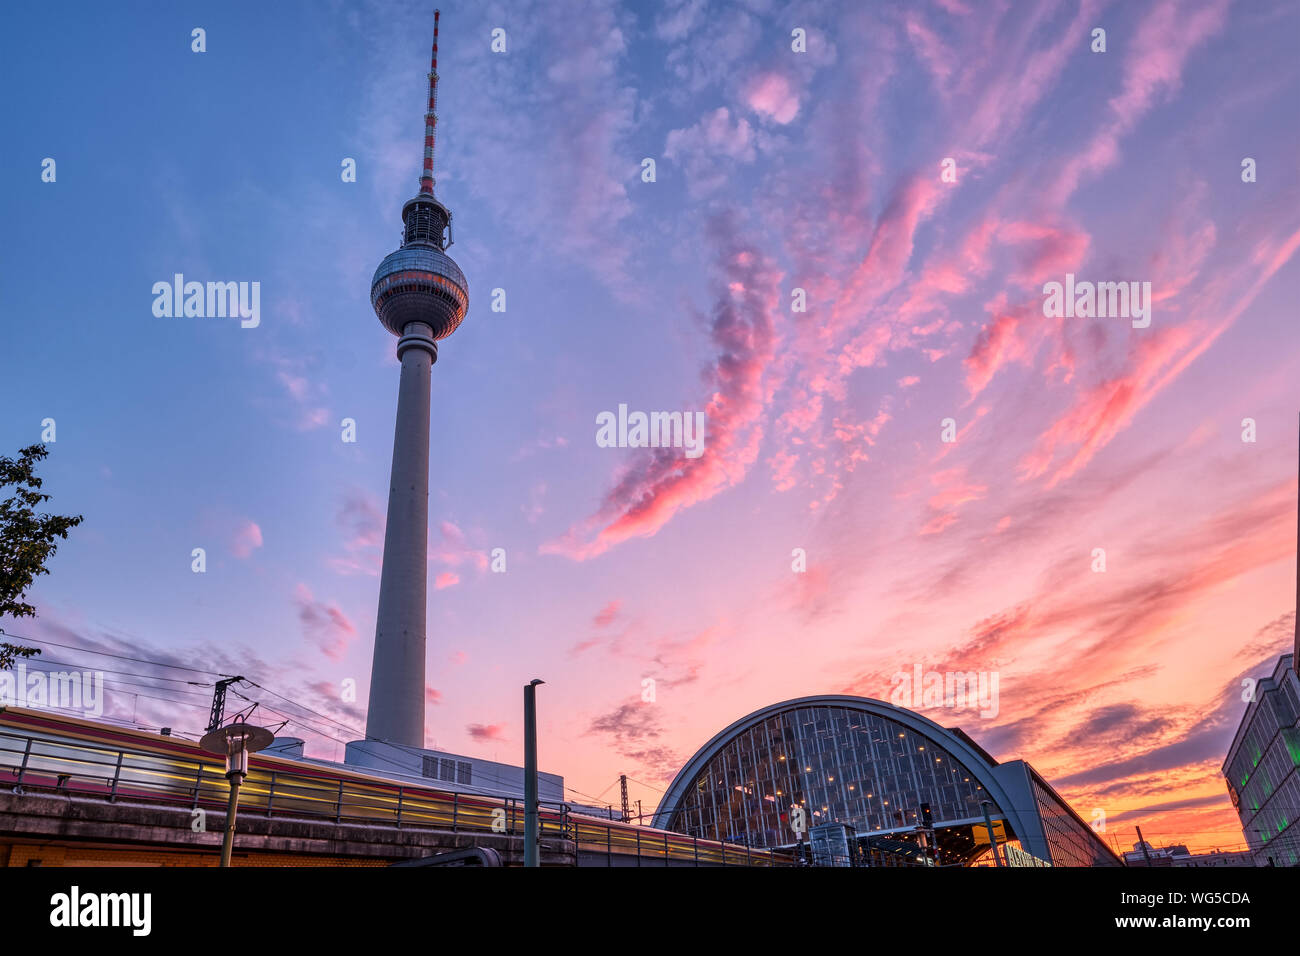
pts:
[1263, 770]
[1071, 842]
[837, 764]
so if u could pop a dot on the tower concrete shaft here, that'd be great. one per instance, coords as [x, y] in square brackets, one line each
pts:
[396, 710]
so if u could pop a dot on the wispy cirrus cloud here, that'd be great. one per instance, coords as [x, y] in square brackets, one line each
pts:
[633, 730]
[323, 623]
[662, 482]
[362, 521]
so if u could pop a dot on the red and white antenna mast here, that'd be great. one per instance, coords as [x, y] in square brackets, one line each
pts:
[431, 117]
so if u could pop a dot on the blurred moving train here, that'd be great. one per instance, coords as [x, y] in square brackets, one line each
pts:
[45, 751]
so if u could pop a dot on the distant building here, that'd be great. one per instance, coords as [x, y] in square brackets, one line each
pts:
[431, 768]
[1219, 858]
[1179, 855]
[1263, 768]
[907, 791]
[1144, 854]
[453, 771]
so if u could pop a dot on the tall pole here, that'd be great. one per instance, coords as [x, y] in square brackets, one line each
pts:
[993, 837]
[622, 785]
[531, 848]
[1143, 844]
[235, 742]
[232, 807]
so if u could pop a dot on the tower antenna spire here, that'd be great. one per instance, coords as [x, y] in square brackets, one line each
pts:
[431, 116]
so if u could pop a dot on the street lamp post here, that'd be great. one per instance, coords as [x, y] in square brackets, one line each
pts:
[235, 742]
[531, 848]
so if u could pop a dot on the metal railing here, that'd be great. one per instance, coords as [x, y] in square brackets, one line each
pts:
[35, 761]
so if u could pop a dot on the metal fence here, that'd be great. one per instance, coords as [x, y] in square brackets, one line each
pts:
[34, 761]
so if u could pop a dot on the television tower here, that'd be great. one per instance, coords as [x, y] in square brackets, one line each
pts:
[421, 296]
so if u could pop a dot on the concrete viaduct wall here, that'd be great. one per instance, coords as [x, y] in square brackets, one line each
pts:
[66, 820]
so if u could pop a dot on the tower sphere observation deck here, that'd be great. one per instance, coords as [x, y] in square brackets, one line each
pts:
[420, 284]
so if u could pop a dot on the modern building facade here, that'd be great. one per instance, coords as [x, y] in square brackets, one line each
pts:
[1263, 768]
[898, 779]
[421, 296]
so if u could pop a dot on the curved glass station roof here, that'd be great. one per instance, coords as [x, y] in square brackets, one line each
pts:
[874, 767]
[839, 763]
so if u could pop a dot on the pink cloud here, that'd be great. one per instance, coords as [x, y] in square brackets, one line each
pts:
[1011, 70]
[452, 549]
[324, 624]
[445, 580]
[957, 495]
[361, 516]
[362, 521]
[295, 384]
[845, 342]
[931, 50]
[247, 539]
[705, 148]
[770, 94]
[664, 482]
[782, 470]
[1102, 410]
[307, 392]
[576, 113]
[606, 615]
[1164, 39]
[716, 135]
[483, 732]
[939, 522]
[999, 342]
[1052, 250]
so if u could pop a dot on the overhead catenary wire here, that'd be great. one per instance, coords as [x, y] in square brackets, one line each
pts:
[596, 801]
[646, 785]
[204, 704]
[121, 657]
[102, 670]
